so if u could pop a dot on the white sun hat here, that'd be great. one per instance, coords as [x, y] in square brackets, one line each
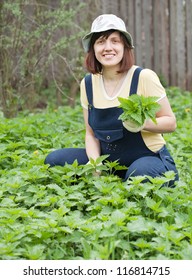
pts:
[103, 23]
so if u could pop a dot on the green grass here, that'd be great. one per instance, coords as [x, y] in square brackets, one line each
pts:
[66, 213]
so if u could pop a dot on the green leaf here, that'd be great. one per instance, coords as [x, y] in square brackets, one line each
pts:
[138, 108]
[141, 243]
[153, 204]
[118, 217]
[35, 252]
[140, 224]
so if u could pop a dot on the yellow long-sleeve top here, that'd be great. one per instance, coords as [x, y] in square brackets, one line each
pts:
[148, 85]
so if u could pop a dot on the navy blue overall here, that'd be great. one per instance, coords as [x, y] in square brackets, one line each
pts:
[117, 142]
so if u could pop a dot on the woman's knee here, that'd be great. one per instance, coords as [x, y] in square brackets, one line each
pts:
[54, 158]
[67, 155]
[150, 166]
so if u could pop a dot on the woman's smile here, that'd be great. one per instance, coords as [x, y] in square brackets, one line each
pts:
[109, 55]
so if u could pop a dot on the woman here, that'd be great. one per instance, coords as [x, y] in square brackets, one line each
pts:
[110, 61]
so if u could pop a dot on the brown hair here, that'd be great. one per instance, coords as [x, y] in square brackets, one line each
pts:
[94, 66]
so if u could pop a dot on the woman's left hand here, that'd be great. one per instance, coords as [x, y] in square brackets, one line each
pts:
[130, 126]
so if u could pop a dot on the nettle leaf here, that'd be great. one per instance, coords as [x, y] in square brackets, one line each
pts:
[86, 249]
[140, 224]
[160, 244]
[149, 107]
[186, 252]
[74, 219]
[138, 108]
[103, 187]
[8, 202]
[118, 217]
[109, 230]
[57, 189]
[141, 243]
[152, 204]
[181, 220]
[166, 212]
[98, 161]
[36, 251]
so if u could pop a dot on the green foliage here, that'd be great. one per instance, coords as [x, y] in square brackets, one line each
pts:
[67, 213]
[138, 108]
[36, 38]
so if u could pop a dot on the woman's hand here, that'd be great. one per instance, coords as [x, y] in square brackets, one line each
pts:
[96, 172]
[130, 126]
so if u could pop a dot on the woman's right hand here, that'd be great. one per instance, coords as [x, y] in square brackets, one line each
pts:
[96, 172]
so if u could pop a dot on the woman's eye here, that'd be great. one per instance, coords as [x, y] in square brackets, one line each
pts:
[115, 40]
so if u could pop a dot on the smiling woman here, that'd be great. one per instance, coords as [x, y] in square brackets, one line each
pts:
[108, 40]
[110, 60]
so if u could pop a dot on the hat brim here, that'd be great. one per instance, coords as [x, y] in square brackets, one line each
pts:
[87, 39]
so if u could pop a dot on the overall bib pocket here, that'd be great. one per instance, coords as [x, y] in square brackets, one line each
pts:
[109, 136]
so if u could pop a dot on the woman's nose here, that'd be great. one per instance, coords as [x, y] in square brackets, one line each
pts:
[108, 45]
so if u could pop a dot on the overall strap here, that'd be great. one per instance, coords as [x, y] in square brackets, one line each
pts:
[134, 82]
[89, 89]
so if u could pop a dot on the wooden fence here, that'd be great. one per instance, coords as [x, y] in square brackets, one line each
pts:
[162, 33]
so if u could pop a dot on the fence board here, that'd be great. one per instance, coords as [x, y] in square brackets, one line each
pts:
[130, 20]
[123, 11]
[138, 32]
[173, 43]
[165, 40]
[189, 44]
[105, 6]
[147, 28]
[156, 36]
[180, 44]
[109, 7]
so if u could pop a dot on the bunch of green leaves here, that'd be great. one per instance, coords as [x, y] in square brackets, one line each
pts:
[138, 108]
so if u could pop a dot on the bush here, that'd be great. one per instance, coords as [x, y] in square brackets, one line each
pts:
[39, 49]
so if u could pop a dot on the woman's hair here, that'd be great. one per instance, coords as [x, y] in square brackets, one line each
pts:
[94, 66]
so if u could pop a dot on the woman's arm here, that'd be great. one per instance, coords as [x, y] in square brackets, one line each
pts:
[166, 121]
[91, 143]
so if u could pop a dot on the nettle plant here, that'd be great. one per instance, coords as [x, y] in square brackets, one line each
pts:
[138, 108]
[66, 213]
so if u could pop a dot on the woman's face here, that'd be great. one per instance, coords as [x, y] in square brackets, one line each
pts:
[109, 51]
